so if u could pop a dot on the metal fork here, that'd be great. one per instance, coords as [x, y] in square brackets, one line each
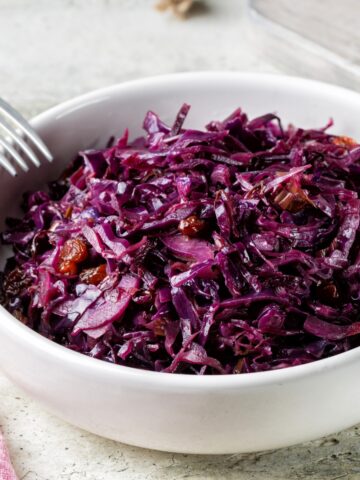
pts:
[15, 131]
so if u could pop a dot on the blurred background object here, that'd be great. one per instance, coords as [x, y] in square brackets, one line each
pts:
[318, 39]
[179, 7]
[184, 9]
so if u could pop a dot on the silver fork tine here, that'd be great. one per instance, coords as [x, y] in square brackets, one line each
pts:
[7, 165]
[17, 139]
[11, 150]
[9, 112]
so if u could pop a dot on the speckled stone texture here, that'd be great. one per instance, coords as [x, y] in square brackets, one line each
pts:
[51, 50]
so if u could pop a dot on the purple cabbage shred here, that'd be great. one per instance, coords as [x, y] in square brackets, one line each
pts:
[229, 250]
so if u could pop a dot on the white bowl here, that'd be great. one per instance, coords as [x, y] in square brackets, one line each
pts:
[174, 412]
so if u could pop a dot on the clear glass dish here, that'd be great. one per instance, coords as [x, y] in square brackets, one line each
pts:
[318, 39]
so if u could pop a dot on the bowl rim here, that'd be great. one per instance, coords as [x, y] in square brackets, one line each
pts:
[113, 371]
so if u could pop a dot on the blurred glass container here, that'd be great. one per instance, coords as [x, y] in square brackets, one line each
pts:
[314, 38]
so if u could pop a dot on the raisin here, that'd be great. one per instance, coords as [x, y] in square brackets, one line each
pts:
[74, 250]
[67, 267]
[159, 327]
[15, 281]
[191, 226]
[290, 201]
[239, 366]
[345, 142]
[68, 212]
[328, 293]
[20, 316]
[292, 198]
[93, 275]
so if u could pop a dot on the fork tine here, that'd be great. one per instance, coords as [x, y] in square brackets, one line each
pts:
[7, 165]
[17, 139]
[11, 150]
[9, 112]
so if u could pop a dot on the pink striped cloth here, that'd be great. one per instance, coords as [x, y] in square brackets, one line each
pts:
[6, 470]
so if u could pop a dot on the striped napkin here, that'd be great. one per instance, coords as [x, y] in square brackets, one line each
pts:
[6, 470]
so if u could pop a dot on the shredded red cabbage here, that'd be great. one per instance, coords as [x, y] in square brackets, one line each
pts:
[229, 250]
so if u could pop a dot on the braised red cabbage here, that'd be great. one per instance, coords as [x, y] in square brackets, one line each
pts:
[229, 250]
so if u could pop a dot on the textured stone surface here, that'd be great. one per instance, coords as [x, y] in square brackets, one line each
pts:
[46, 448]
[51, 50]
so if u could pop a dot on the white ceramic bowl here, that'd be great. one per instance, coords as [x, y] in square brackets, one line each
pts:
[174, 412]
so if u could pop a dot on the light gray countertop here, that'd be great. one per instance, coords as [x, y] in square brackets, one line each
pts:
[51, 50]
